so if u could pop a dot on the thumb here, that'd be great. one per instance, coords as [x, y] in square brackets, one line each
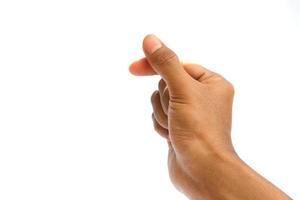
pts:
[165, 62]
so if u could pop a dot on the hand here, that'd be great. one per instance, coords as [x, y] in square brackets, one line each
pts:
[192, 109]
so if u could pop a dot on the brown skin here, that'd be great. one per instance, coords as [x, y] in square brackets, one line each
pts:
[192, 109]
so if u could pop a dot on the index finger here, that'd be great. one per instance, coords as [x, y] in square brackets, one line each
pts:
[143, 68]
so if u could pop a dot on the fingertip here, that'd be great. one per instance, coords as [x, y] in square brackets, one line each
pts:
[141, 68]
[135, 68]
[151, 43]
[132, 69]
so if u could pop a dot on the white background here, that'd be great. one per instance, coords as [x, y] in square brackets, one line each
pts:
[74, 124]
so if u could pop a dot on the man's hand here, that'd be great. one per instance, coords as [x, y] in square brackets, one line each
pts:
[192, 109]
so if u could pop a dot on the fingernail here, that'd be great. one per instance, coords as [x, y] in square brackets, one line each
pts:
[152, 44]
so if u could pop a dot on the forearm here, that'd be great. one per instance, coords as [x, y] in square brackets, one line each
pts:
[232, 179]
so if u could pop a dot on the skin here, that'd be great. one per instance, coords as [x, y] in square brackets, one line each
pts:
[192, 110]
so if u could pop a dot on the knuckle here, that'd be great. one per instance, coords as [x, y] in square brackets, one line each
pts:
[156, 127]
[154, 96]
[227, 89]
[161, 84]
[230, 88]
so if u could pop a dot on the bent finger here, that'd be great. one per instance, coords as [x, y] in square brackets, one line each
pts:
[159, 129]
[164, 99]
[159, 114]
[143, 68]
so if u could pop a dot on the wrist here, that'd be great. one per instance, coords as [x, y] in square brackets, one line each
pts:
[209, 171]
[231, 178]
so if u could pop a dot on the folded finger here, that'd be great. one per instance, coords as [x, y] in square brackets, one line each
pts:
[162, 86]
[159, 114]
[159, 129]
[143, 68]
